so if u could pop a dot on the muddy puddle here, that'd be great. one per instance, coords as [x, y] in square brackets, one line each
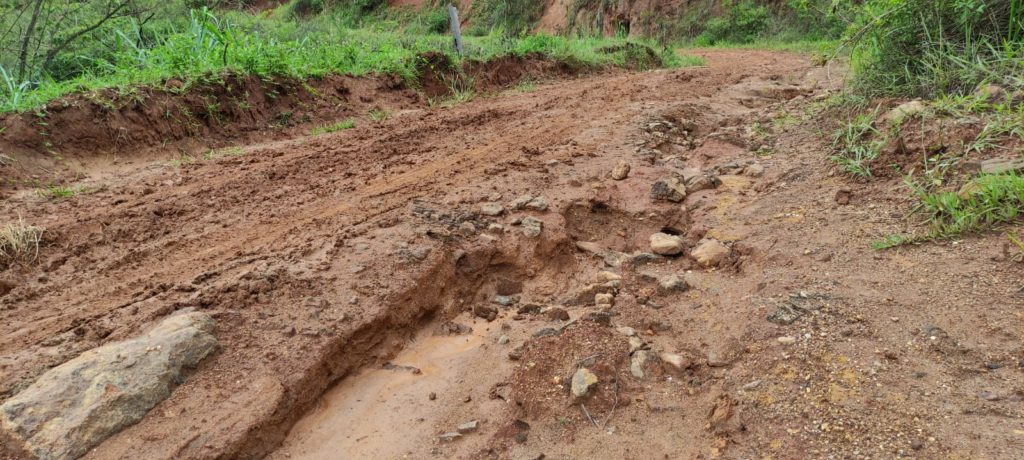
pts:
[387, 411]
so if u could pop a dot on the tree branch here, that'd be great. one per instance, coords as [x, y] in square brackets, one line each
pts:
[52, 53]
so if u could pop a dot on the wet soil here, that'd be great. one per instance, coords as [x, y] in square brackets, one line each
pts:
[324, 258]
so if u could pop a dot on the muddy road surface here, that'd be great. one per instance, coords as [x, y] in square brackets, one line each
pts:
[623, 265]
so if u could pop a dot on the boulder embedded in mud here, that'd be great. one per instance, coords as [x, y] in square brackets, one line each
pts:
[666, 245]
[710, 253]
[582, 381]
[703, 182]
[621, 170]
[537, 204]
[668, 189]
[491, 209]
[904, 111]
[75, 406]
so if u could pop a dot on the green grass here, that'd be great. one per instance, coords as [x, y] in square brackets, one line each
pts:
[347, 123]
[271, 47]
[857, 144]
[378, 115]
[57, 192]
[993, 199]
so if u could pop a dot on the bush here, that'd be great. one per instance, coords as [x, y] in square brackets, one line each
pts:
[742, 22]
[931, 47]
[513, 17]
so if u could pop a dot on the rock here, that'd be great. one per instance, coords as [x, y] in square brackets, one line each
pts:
[449, 437]
[666, 245]
[582, 381]
[503, 340]
[495, 228]
[588, 294]
[787, 340]
[991, 93]
[468, 427]
[637, 362]
[668, 189]
[504, 300]
[288, 331]
[754, 170]
[710, 253]
[520, 203]
[604, 300]
[517, 353]
[721, 414]
[73, 407]
[485, 311]
[452, 328]
[491, 209]
[635, 343]
[626, 331]
[545, 332]
[589, 247]
[718, 358]
[1002, 165]
[786, 314]
[558, 314]
[703, 182]
[606, 276]
[537, 204]
[673, 284]
[904, 111]
[432, 396]
[689, 174]
[675, 363]
[843, 196]
[532, 227]
[621, 171]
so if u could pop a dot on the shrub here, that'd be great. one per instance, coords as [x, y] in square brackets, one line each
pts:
[742, 22]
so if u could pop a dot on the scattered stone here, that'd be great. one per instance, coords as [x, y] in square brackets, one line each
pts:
[621, 170]
[538, 204]
[491, 209]
[532, 227]
[467, 228]
[787, 340]
[452, 328]
[558, 314]
[754, 170]
[637, 362]
[495, 228]
[589, 294]
[529, 309]
[703, 182]
[989, 396]
[668, 189]
[587, 246]
[503, 340]
[904, 111]
[604, 300]
[1002, 165]
[289, 331]
[752, 385]
[545, 332]
[689, 174]
[520, 203]
[517, 353]
[721, 414]
[635, 343]
[644, 258]
[601, 318]
[626, 331]
[582, 381]
[843, 196]
[486, 312]
[449, 437]
[710, 253]
[75, 406]
[432, 396]
[666, 245]
[504, 300]
[673, 284]
[675, 362]
[717, 358]
[468, 427]
[605, 276]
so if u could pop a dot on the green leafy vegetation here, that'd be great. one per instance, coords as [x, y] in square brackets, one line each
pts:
[858, 143]
[347, 123]
[987, 201]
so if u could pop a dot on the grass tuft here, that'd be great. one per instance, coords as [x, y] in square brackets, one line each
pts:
[347, 123]
[19, 241]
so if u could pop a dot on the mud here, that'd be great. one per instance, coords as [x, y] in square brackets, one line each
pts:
[324, 258]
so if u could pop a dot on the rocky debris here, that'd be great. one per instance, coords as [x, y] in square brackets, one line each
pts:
[626, 331]
[452, 328]
[666, 245]
[537, 204]
[582, 381]
[546, 332]
[668, 189]
[468, 427]
[843, 196]
[793, 308]
[636, 343]
[557, 314]
[505, 300]
[721, 414]
[503, 340]
[589, 293]
[787, 340]
[904, 111]
[719, 358]
[604, 300]
[607, 277]
[485, 311]
[620, 171]
[75, 406]
[532, 227]
[449, 437]
[672, 283]
[432, 396]
[520, 203]
[517, 353]
[710, 252]
[675, 363]
[492, 209]
[589, 247]
[703, 182]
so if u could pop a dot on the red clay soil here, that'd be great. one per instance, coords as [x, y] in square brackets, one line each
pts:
[322, 256]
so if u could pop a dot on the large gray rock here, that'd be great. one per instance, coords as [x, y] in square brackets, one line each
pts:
[75, 406]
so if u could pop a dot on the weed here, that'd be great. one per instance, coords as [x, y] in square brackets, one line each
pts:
[378, 115]
[858, 145]
[57, 192]
[19, 241]
[890, 241]
[347, 123]
[223, 153]
[991, 199]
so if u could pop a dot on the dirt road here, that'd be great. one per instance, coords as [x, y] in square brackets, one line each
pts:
[322, 257]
